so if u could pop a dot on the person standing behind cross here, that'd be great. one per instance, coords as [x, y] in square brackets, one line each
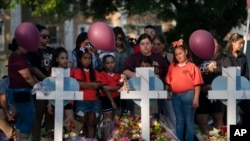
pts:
[134, 60]
[41, 60]
[232, 56]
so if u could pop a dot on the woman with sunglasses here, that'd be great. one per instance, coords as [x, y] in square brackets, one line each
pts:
[41, 60]
[122, 48]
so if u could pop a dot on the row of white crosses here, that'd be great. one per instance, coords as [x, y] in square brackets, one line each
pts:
[59, 95]
[231, 94]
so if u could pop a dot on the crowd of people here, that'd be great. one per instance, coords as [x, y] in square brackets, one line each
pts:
[98, 74]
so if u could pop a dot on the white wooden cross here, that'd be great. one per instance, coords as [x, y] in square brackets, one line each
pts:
[59, 95]
[231, 94]
[144, 95]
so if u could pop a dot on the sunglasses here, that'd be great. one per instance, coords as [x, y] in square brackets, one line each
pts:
[45, 36]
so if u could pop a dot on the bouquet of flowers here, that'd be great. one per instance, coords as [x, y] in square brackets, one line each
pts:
[128, 128]
[214, 135]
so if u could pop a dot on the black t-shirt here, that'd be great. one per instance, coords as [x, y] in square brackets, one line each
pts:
[41, 59]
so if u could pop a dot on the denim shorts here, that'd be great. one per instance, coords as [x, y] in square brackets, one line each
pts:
[25, 111]
[87, 106]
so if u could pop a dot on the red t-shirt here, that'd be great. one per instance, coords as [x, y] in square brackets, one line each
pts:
[83, 75]
[110, 80]
[183, 78]
[16, 63]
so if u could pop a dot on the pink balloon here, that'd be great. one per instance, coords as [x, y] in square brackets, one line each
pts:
[248, 3]
[27, 36]
[101, 36]
[201, 43]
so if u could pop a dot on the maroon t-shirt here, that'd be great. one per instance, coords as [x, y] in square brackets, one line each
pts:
[17, 62]
[159, 63]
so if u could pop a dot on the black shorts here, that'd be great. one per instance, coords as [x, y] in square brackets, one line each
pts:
[207, 106]
[106, 104]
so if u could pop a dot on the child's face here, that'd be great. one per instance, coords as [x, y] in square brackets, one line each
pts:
[180, 55]
[109, 64]
[86, 59]
[62, 60]
[145, 64]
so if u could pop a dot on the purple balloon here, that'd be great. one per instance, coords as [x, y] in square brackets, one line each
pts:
[201, 43]
[27, 36]
[101, 36]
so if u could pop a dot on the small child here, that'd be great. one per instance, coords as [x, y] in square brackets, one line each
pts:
[146, 61]
[184, 79]
[110, 81]
[89, 82]
[60, 59]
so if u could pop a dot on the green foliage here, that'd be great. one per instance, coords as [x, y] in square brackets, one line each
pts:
[212, 15]
[217, 16]
[5, 4]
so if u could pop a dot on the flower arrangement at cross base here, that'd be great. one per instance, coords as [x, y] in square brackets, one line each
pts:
[214, 135]
[128, 128]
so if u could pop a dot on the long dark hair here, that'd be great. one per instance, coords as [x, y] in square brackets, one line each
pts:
[90, 67]
[80, 38]
[118, 30]
[55, 55]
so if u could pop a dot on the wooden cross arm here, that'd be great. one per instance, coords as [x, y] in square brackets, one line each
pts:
[144, 95]
[63, 95]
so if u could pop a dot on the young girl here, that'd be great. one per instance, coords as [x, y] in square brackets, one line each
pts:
[60, 59]
[109, 97]
[184, 79]
[89, 82]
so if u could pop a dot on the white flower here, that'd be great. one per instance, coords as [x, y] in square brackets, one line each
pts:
[214, 132]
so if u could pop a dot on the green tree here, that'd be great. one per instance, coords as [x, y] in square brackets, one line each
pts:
[212, 15]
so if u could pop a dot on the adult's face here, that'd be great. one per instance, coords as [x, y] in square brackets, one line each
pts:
[119, 40]
[158, 46]
[145, 46]
[44, 37]
[237, 45]
[150, 32]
